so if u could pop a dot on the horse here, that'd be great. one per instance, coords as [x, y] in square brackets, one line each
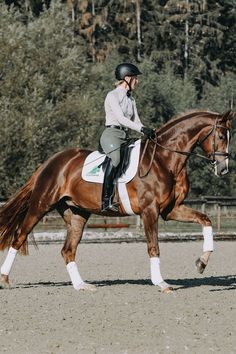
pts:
[158, 188]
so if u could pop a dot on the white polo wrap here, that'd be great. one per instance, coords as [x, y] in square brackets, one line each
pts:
[7, 265]
[75, 277]
[208, 238]
[156, 277]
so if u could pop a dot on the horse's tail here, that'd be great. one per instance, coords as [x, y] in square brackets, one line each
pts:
[13, 213]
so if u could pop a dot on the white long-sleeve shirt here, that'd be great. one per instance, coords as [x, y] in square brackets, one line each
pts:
[121, 110]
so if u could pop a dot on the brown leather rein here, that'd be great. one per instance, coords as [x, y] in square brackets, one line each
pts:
[210, 157]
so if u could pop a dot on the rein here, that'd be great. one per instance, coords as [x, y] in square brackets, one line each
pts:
[210, 158]
[151, 160]
[213, 153]
[185, 153]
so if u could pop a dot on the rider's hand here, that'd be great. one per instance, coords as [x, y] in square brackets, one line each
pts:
[149, 132]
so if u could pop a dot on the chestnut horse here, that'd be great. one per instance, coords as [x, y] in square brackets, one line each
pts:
[159, 188]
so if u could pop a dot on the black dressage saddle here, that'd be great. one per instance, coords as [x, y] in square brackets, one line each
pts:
[125, 152]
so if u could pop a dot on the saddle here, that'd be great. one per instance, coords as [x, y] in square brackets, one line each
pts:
[125, 152]
[96, 163]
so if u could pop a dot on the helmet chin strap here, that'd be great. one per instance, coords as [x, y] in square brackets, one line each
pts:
[130, 89]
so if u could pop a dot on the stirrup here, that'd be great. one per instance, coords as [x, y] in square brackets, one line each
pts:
[111, 207]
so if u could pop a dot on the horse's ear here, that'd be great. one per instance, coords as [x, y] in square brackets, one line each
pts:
[227, 118]
[229, 115]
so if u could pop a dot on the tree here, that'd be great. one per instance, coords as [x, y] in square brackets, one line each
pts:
[221, 97]
[55, 72]
[43, 105]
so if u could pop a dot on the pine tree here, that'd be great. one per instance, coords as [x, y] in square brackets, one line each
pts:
[189, 35]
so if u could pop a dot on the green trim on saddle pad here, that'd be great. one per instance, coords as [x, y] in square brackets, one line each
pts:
[95, 171]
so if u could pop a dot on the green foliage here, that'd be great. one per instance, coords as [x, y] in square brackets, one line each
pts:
[162, 94]
[221, 97]
[43, 106]
[204, 182]
[55, 73]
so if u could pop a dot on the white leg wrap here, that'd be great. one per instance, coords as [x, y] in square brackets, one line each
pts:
[156, 277]
[75, 277]
[7, 265]
[208, 238]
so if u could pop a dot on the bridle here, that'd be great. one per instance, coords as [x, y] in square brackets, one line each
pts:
[214, 153]
[210, 157]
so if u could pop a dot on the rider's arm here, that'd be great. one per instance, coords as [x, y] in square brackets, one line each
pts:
[136, 116]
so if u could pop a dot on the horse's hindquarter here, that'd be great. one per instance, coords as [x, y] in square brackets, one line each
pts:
[86, 195]
[59, 174]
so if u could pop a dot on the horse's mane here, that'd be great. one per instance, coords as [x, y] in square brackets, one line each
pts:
[184, 116]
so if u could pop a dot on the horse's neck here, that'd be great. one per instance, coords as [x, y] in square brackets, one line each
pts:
[178, 141]
[184, 135]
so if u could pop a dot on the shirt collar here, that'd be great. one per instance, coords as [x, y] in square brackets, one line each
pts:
[124, 91]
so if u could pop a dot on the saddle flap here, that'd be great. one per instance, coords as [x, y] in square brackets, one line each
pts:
[93, 171]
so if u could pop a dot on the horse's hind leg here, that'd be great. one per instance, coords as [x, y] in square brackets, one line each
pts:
[29, 222]
[38, 206]
[75, 221]
[6, 268]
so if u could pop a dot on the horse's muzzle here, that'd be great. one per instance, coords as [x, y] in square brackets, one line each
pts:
[221, 168]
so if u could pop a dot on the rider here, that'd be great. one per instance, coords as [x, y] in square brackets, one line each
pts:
[121, 115]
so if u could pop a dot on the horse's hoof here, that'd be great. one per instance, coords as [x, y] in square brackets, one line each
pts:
[200, 265]
[167, 290]
[4, 283]
[87, 286]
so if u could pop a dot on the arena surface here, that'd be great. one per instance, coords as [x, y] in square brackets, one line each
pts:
[42, 313]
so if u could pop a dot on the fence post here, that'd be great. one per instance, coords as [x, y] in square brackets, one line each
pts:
[203, 207]
[218, 217]
[105, 222]
[138, 222]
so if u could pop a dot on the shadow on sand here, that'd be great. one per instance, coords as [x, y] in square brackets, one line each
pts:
[217, 283]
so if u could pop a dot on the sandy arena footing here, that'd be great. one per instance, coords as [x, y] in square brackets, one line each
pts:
[42, 313]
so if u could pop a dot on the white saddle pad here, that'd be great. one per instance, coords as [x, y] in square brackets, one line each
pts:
[92, 170]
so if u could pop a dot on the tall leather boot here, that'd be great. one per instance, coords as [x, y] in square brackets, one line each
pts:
[108, 189]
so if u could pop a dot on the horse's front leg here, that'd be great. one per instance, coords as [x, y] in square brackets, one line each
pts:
[186, 214]
[150, 222]
[75, 226]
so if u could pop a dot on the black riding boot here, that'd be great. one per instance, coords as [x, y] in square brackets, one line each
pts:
[108, 189]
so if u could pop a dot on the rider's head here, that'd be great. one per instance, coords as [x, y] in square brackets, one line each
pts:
[127, 73]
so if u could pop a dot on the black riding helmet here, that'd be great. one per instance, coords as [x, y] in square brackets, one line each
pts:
[126, 69]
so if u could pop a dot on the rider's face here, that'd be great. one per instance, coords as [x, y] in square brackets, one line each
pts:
[134, 82]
